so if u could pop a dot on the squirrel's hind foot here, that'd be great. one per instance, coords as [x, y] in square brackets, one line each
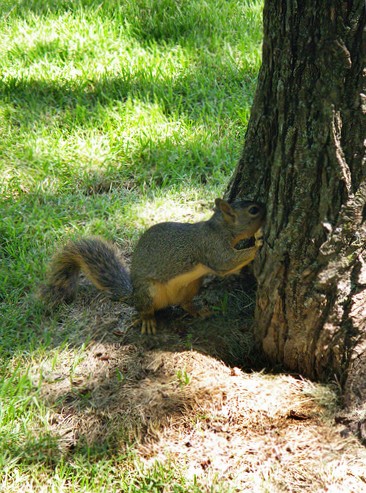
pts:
[194, 311]
[148, 325]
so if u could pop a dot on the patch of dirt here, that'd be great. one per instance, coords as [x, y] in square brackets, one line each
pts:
[181, 396]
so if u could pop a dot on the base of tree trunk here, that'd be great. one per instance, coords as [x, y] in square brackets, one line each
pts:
[304, 156]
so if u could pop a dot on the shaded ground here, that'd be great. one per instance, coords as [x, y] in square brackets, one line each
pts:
[181, 396]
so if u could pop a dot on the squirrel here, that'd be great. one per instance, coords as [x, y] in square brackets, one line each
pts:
[168, 264]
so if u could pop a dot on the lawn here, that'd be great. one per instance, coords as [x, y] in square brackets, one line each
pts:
[115, 115]
[108, 110]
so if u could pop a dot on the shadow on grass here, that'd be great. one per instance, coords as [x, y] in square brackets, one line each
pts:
[127, 388]
[81, 100]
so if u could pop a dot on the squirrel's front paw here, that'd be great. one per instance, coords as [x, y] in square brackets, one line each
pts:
[258, 235]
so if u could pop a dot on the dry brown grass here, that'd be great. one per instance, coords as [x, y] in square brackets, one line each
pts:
[177, 400]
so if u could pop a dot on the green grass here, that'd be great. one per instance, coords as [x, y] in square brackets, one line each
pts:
[109, 112]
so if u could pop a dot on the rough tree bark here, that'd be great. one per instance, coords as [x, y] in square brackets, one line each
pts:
[304, 156]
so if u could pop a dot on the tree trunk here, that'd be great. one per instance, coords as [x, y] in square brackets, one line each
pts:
[304, 156]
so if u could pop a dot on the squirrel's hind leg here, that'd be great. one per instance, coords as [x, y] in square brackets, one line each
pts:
[144, 304]
[188, 305]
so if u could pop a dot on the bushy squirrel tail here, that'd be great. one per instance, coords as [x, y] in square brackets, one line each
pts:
[99, 261]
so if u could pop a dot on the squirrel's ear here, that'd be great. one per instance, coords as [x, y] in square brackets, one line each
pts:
[226, 209]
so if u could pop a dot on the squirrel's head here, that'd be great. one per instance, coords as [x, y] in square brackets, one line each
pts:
[242, 217]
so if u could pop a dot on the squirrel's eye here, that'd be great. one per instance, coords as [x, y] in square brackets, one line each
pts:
[253, 210]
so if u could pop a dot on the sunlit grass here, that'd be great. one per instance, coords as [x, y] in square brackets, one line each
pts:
[93, 87]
